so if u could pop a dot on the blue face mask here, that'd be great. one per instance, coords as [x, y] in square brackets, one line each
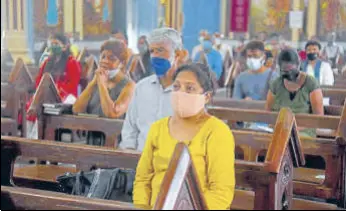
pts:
[207, 45]
[160, 66]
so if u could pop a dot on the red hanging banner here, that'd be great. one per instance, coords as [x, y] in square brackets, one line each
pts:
[240, 12]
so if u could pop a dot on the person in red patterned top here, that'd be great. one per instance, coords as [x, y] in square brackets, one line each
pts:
[64, 68]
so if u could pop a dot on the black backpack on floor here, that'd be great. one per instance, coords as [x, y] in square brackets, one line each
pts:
[109, 184]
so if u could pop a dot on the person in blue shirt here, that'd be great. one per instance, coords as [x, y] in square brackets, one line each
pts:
[213, 57]
[253, 84]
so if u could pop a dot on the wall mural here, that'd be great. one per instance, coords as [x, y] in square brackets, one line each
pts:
[333, 18]
[270, 16]
[97, 18]
[50, 20]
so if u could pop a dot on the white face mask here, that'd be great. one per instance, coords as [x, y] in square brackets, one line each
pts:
[254, 64]
[201, 39]
[113, 73]
[217, 41]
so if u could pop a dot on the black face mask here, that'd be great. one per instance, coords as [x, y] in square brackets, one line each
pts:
[291, 75]
[312, 56]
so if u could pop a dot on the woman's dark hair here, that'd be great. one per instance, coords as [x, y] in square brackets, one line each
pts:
[117, 47]
[203, 73]
[58, 69]
[288, 55]
[313, 43]
[255, 45]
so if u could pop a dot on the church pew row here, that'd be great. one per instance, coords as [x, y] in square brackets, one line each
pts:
[305, 121]
[238, 178]
[332, 151]
[49, 124]
[339, 83]
[321, 123]
[6, 72]
[10, 104]
[332, 110]
[18, 87]
[270, 180]
[32, 199]
[47, 93]
[188, 192]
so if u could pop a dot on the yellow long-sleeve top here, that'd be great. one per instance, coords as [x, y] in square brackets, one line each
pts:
[212, 152]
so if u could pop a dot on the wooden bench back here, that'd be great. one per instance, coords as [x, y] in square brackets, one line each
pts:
[342, 126]
[10, 101]
[88, 157]
[275, 176]
[303, 120]
[21, 77]
[48, 124]
[46, 92]
[111, 128]
[331, 110]
[30, 199]
[253, 143]
[341, 139]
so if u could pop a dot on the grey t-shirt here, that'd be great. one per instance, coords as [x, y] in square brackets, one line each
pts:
[253, 85]
[94, 105]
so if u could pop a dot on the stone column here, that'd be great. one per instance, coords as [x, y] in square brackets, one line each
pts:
[223, 18]
[295, 32]
[19, 31]
[68, 16]
[312, 18]
[79, 18]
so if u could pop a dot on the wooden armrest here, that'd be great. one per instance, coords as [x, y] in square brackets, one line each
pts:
[244, 200]
[326, 133]
[301, 204]
[46, 173]
[3, 104]
[7, 121]
[315, 176]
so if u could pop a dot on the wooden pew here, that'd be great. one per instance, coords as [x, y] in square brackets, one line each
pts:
[111, 128]
[49, 124]
[332, 151]
[10, 104]
[189, 195]
[46, 92]
[336, 94]
[241, 193]
[32, 199]
[7, 72]
[331, 110]
[272, 169]
[22, 77]
[23, 83]
[284, 153]
[188, 192]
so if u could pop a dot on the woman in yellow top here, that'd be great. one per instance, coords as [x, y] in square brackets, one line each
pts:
[210, 142]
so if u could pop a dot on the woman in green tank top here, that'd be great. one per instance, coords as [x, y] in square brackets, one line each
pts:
[295, 90]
